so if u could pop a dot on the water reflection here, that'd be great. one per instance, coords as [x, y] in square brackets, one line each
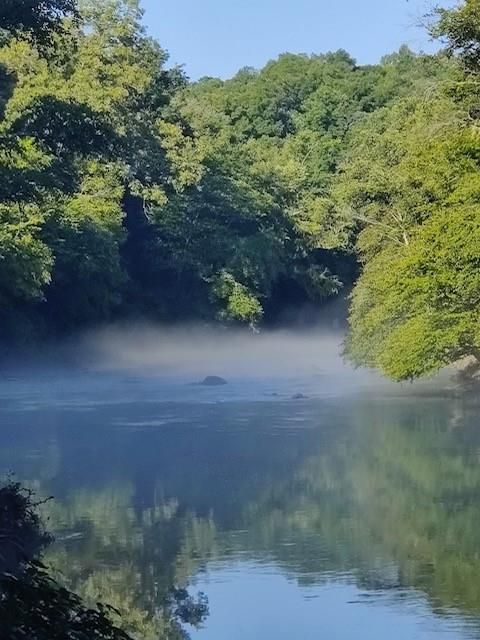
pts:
[363, 508]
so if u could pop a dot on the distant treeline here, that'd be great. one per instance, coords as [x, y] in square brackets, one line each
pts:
[127, 191]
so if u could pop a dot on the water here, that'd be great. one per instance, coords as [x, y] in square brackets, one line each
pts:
[352, 513]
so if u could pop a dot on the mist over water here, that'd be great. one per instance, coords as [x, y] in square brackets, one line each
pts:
[274, 362]
[195, 351]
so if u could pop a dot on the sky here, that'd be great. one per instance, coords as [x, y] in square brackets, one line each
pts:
[218, 37]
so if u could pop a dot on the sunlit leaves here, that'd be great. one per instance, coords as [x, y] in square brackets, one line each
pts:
[415, 308]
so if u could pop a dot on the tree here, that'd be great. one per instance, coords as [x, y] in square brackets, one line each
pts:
[36, 19]
[402, 161]
[126, 190]
[76, 150]
[415, 308]
[408, 195]
[459, 28]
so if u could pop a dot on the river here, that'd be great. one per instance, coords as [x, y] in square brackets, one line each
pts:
[351, 512]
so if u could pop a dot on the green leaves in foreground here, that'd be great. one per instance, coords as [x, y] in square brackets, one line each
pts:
[415, 308]
[410, 189]
[33, 603]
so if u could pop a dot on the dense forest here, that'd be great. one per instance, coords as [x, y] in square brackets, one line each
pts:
[128, 191]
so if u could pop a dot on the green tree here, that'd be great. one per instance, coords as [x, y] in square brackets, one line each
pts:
[459, 28]
[71, 112]
[36, 19]
[415, 308]
[407, 198]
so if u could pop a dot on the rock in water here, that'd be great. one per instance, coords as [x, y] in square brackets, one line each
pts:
[213, 381]
[299, 396]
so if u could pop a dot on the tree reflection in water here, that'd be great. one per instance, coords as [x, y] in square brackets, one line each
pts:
[380, 492]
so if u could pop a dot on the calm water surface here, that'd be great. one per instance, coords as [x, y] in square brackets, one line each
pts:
[353, 513]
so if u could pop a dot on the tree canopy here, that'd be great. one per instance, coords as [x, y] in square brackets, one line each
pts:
[127, 190]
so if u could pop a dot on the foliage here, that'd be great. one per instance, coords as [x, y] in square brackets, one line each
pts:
[21, 532]
[402, 162]
[128, 191]
[240, 305]
[34, 604]
[408, 197]
[37, 19]
[125, 190]
[415, 308]
[460, 30]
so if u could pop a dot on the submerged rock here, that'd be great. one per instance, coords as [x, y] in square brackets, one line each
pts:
[213, 381]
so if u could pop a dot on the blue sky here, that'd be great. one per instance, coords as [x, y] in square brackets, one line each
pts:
[217, 37]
